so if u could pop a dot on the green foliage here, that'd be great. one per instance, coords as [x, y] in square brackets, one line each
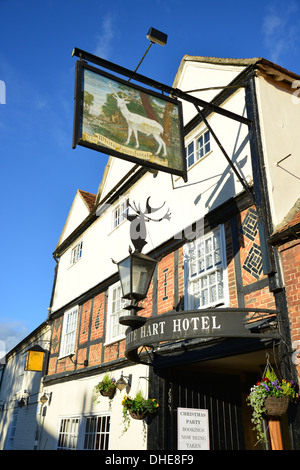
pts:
[269, 388]
[106, 384]
[138, 405]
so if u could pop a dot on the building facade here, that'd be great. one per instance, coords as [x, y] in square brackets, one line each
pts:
[20, 392]
[221, 302]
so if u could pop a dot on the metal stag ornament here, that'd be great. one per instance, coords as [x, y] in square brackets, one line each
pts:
[138, 231]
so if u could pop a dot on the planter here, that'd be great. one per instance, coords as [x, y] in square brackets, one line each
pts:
[276, 406]
[108, 393]
[139, 416]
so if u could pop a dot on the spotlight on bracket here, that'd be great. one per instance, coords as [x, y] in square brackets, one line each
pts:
[157, 37]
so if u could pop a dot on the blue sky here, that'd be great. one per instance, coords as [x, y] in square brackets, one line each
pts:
[40, 172]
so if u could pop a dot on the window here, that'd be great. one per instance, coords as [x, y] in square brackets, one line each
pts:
[76, 253]
[69, 332]
[20, 378]
[10, 436]
[115, 310]
[205, 271]
[68, 433]
[198, 148]
[120, 213]
[80, 432]
[96, 436]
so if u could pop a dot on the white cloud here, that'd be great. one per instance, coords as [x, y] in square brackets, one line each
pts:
[11, 333]
[104, 40]
[280, 30]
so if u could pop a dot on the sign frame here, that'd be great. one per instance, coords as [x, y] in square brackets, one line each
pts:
[110, 147]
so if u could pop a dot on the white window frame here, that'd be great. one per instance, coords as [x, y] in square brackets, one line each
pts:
[76, 253]
[206, 271]
[20, 379]
[115, 309]
[70, 433]
[10, 436]
[69, 330]
[200, 150]
[120, 212]
[96, 438]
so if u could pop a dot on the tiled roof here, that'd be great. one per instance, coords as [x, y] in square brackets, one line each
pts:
[289, 229]
[291, 220]
[88, 198]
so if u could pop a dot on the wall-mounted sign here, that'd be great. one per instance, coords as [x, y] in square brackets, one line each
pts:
[203, 323]
[124, 120]
[193, 429]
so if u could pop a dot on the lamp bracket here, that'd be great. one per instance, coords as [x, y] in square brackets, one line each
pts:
[84, 363]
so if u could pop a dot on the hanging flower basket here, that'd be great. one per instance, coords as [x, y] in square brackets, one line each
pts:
[137, 415]
[270, 397]
[106, 387]
[109, 392]
[137, 408]
[276, 406]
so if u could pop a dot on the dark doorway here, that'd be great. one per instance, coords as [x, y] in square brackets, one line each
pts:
[219, 394]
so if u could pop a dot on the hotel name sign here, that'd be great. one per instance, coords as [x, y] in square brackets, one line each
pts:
[175, 326]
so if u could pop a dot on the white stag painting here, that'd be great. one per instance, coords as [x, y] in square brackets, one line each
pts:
[131, 121]
[137, 123]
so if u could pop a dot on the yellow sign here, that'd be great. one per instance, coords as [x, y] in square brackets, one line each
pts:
[35, 359]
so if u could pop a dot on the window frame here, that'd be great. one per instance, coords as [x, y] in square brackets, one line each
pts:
[191, 278]
[21, 372]
[120, 212]
[67, 349]
[196, 150]
[84, 435]
[81, 432]
[68, 434]
[76, 252]
[112, 315]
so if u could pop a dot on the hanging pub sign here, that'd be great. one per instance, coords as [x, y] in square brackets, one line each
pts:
[118, 118]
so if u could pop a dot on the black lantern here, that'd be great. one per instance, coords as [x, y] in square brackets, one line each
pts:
[135, 272]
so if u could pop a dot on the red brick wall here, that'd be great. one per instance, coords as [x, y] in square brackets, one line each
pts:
[165, 284]
[290, 256]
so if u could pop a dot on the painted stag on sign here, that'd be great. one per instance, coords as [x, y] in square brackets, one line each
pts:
[137, 123]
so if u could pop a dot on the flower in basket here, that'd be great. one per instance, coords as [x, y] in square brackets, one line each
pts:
[265, 389]
[137, 408]
[106, 387]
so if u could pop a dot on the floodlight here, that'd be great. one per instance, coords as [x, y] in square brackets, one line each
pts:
[157, 36]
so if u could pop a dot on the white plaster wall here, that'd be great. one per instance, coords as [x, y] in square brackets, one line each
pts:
[198, 75]
[75, 398]
[77, 214]
[118, 168]
[279, 113]
[11, 393]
